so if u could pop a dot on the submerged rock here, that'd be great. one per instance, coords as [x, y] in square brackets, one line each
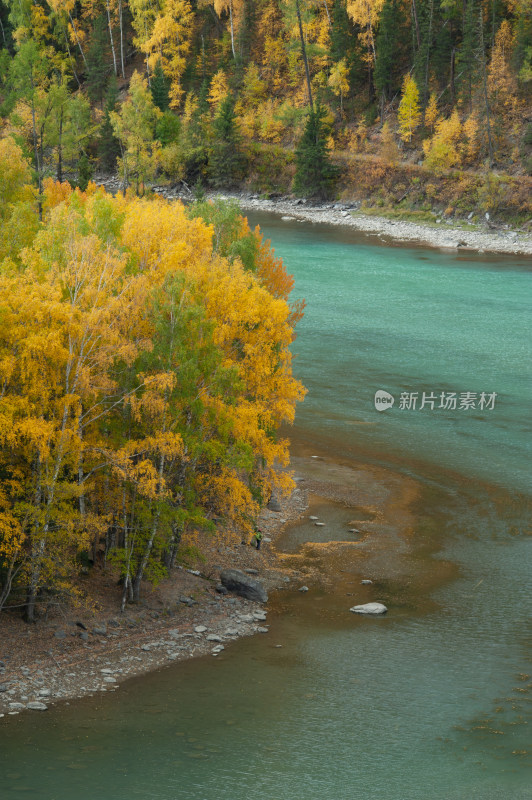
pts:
[244, 585]
[366, 582]
[369, 608]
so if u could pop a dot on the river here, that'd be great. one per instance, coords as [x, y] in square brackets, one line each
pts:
[427, 702]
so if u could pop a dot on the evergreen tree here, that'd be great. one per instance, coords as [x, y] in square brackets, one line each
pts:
[160, 88]
[315, 175]
[341, 33]
[427, 12]
[85, 172]
[167, 129]
[108, 144]
[468, 67]
[97, 68]
[227, 159]
[387, 51]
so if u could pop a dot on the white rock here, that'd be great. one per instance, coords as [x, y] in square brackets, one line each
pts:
[36, 706]
[303, 588]
[17, 706]
[44, 692]
[246, 618]
[231, 632]
[262, 629]
[369, 608]
[212, 637]
[319, 524]
[200, 628]
[109, 679]
[366, 582]
[313, 518]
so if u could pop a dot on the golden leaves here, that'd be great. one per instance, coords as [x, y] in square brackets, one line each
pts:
[141, 371]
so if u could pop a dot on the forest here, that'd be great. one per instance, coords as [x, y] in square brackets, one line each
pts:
[249, 93]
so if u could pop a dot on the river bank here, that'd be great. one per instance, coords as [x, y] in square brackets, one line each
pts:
[76, 654]
[72, 653]
[447, 234]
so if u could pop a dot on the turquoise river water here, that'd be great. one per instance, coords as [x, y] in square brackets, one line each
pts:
[413, 706]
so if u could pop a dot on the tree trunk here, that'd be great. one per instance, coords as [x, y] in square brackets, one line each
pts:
[121, 22]
[427, 61]
[60, 149]
[77, 39]
[304, 54]
[111, 36]
[416, 23]
[485, 84]
[327, 12]
[72, 62]
[147, 57]
[137, 580]
[452, 77]
[232, 28]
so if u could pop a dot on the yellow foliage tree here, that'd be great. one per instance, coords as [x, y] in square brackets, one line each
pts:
[18, 210]
[366, 14]
[144, 377]
[409, 114]
[170, 42]
[219, 89]
[442, 151]
[338, 81]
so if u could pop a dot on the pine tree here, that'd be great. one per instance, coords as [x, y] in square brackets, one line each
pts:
[159, 88]
[108, 144]
[226, 158]
[315, 175]
[387, 50]
[85, 172]
[467, 55]
[97, 68]
[341, 32]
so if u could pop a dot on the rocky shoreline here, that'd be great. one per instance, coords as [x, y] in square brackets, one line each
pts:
[444, 234]
[78, 654]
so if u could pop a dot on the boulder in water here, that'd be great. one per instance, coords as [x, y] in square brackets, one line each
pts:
[369, 608]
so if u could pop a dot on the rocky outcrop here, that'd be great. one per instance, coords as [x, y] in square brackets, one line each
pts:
[244, 585]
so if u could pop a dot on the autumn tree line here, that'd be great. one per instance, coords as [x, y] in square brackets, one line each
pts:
[223, 91]
[144, 372]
